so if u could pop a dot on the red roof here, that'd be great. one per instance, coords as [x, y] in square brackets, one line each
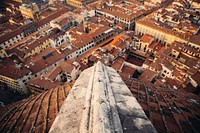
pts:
[51, 17]
[14, 33]
[43, 60]
[42, 83]
[146, 38]
[196, 77]
[117, 65]
[147, 75]
[10, 69]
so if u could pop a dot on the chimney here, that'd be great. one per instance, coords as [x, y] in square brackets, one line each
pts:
[85, 23]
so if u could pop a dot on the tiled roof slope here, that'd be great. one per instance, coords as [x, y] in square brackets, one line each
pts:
[35, 114]
[168, 110]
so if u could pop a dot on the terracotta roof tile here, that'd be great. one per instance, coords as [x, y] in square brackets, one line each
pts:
[11, 69]
[147, 38]
[147, 75]
[196, 77]
[43, 60]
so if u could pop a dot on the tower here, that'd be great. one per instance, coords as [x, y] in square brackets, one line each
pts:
[101, 102]
[85, 23]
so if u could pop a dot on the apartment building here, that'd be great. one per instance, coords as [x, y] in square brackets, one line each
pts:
[13, 75]
[14, 36]
[30, 11]
[57, 38]
[64, 21]
[126, 12]
[167, 26]
[31, 45]
[79, 3]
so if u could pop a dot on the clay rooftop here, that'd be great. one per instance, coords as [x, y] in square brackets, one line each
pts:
[64, 66]
[67, 48]
[15, 32]
[147, 75]
[125, 11]
[11, 69]
[52, 16]
[147, 38]
[168, 110]
[34, 114]
[41, 84]
[188, 30]
[43, 60]
[26, 45]
[63, 18]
